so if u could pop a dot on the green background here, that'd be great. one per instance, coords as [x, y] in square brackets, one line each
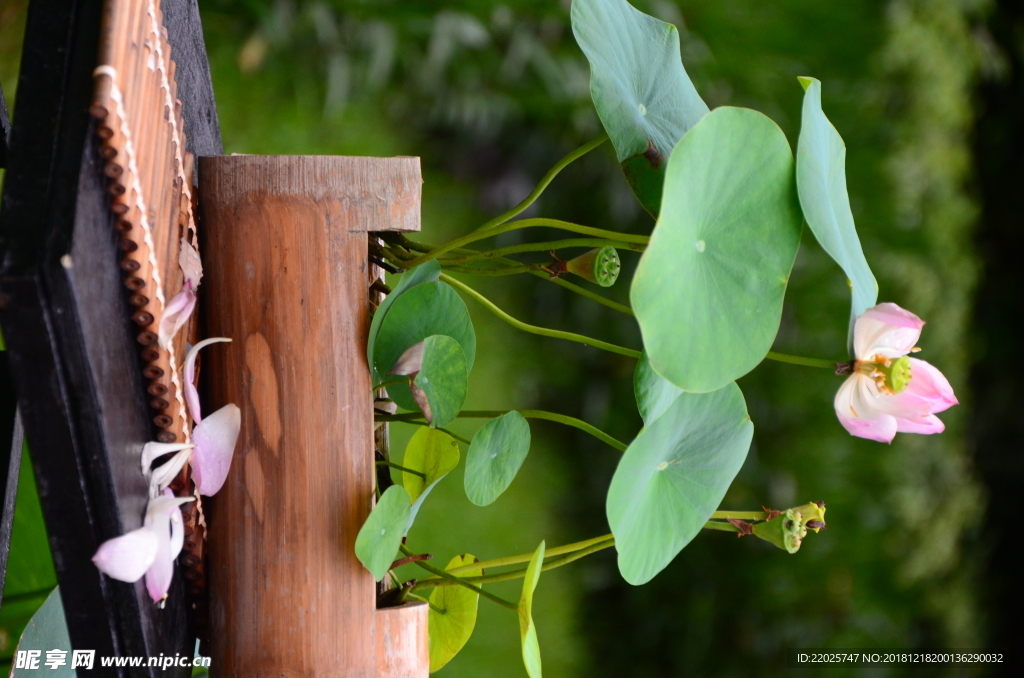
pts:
[490, 95]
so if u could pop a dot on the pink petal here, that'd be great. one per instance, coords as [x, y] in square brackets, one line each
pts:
[191, 394]
[190, 263]
[158, 521]
[856, 408]
[215, 440]
[176, 314]
[928, 383]
[887, 330]
[126, 558]
[927, 424]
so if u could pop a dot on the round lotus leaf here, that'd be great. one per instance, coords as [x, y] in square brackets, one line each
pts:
[433, 453]
[527, 628]
[495, 454]
[381, 535]
[640, 89]
[674, 476]
[452, 615]
[443, 379]
[708, 291]
[653, 393]
[424, 310]
[429, 271]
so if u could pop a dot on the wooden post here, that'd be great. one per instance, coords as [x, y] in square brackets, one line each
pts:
[286, 277]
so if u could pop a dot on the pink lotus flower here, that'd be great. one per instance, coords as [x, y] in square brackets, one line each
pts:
[149, 550]
[887, 391]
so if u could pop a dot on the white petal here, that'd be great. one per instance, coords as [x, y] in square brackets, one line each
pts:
[177, 529]
[857, 410]
[126, 558]
[158, 520]
[886, 330]
[152, 451]
[215, 440]
[191, 395]
[164, 474]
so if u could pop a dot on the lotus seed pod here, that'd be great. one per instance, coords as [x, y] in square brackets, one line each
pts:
[786, 531]
[600, 265]
[813, 514]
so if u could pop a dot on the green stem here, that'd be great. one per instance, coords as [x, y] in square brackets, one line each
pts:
[420, 247]
[424, 423]
[526, 223]
[491, 271]
[548, 246]
[586, 293]
[391, 382]
[739, 515]
[525, 557]
[402, 468]
[413, 417]
[518, 574]
[552, 173]
[433, 607]
[722, 527]
[543, 331]
[457, 580]
[800, 360]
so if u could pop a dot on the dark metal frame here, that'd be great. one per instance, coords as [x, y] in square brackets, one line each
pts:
[64, 315]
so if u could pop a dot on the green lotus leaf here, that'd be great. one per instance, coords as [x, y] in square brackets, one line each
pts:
[527, 629]
[674, 476]
[433, 453]
[821, 184]
[653, 393]
[381, 535]
[495, 454]
[452, 615]
[426, 309]
[640, 89]
[443, 378]
[426, 272]
[708, 291]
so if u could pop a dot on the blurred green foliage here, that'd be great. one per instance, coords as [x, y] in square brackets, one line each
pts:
[491, 94]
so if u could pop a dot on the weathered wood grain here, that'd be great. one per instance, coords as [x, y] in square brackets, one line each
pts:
[285, 246]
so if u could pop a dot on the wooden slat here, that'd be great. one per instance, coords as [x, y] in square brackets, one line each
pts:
[285, 242]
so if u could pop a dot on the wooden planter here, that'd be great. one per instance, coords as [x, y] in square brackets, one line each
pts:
[286, 277]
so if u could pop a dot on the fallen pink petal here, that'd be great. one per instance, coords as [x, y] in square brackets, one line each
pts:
[126, 558]
[215, 440]
[191, 394]
[176, 314]
[159, 517]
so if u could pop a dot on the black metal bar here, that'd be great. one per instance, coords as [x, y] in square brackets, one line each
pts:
[9, 469]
